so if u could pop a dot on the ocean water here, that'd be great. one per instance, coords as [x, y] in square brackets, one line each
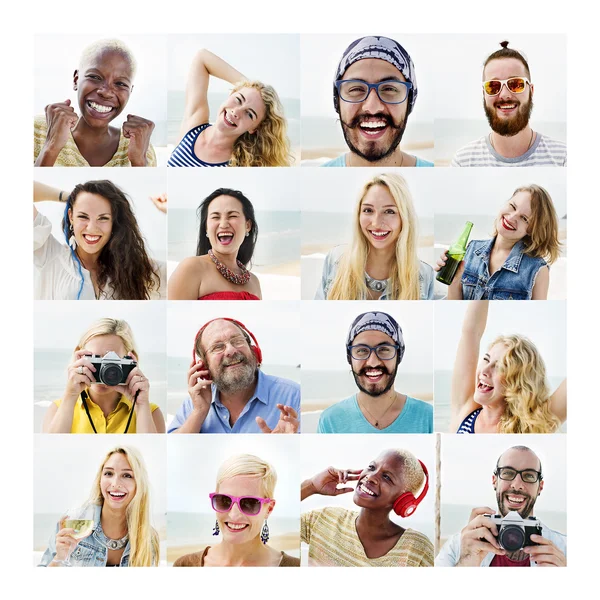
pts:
[278, 236]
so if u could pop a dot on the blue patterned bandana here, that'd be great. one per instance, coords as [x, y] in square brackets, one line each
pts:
[378, 321]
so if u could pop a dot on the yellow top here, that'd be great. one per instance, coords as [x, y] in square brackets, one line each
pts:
[70, 156]
[114, 423]
[333, 541]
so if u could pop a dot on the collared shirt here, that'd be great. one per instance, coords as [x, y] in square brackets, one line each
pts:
[449, 555]
[115, 422]
[340, 161]
[269, 392]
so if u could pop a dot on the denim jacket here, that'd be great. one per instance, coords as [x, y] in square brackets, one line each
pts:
[332, 261]
[91, 551]
[513, 281]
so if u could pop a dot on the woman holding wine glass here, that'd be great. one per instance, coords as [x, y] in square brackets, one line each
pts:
[113, 529]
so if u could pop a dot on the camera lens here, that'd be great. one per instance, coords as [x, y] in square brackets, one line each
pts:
[511, 538]
[111, 374]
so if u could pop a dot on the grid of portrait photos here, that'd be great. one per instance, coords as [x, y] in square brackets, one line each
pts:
[367, 362]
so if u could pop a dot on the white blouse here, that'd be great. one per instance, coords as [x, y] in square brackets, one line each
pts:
[57, 274]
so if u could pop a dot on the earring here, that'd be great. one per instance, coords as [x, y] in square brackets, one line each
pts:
[264, 534]
[207, 234]
[216, 528]
[72, 240]
[247, 233]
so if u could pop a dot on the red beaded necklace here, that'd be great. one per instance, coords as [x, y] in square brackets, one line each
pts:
[241, 279]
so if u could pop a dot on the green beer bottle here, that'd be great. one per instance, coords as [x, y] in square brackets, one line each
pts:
[456, 253]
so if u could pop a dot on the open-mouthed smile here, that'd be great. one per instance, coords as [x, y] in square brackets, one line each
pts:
[374, 375]
[236, 527]
[91, 239]
[225, 238]
[98, 110]
[506, 224]
[117, 496]
[365, 490]
[379, 234]
[515, 501]
[507, 107]
[373, 129]
[484, 388]
[228, 121]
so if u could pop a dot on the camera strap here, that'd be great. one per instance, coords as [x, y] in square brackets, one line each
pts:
[84, 397]
[131, 412]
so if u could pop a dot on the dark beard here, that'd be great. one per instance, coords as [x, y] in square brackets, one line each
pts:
[373, 154]
[524, 512]
[509, 127]
[372, 393]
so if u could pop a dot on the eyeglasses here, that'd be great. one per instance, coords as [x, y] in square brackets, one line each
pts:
[516, 85]
[383, 351]
[237, 342]
[527, 475]
[389, 91]
[249, 505]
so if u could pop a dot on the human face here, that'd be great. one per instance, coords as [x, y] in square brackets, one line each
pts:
[242, 112]
[381, 483]
[226, 224]
[117, 482]
[374, 376]
[513, 220]
[373, 129]
[104, 84]
[100, 345]
[91, 218]
[380, 219]
[489, 383]
[516, 494]
[237, 527]
[234, 369]
[507, 113]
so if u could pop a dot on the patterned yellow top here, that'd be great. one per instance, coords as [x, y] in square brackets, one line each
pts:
[70, 156]
[333, 542]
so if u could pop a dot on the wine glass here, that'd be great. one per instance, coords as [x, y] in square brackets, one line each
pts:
[81, 520]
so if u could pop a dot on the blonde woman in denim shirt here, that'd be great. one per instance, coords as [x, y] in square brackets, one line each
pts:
[382, 262]
[122, 535]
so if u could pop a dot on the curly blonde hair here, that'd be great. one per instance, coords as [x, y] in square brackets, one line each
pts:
[526, 390]
[268, 146]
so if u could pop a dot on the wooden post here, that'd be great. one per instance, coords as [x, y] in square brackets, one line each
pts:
[438, 489]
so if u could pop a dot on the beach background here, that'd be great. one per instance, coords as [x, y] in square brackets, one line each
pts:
[57, 329]
[273, 59]
[193, 463]
[276, 197]
[57, 56]
[531, 320]
[64, 469]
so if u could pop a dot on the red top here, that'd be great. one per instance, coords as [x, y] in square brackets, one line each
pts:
[503, 561]
[230, 296]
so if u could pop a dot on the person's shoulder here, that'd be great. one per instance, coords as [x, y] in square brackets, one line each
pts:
[420, 405]
[421, 162]
[425, 269]
[289, 561]
[552, 142]
[289, 384]
[339, 407]
[464, 155]
[419, 537]
[39, 123]
[194, 559]
[194, 265]
[340, 161]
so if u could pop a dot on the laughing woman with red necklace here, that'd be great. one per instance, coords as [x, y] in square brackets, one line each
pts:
[226, 241]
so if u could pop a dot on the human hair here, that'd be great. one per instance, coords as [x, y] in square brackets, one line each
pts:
[249, 466]
[541, 240]
[520, 449]
[123, 261]
[112, 45]
[246, 250]
[506, 52]
[526, 390]
[268, 146]
[412, 471]
[108, 326]
[143, 538]
[200, 350]
[403, 284]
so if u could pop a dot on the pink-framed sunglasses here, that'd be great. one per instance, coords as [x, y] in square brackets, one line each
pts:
[249, 505]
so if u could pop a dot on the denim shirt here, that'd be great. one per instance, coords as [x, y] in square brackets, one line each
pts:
[513, 281]
[330, 267]
[91, 551]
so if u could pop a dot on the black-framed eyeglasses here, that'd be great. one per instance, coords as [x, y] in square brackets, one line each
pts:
[391, 91]
[383, 351]
[527, 475]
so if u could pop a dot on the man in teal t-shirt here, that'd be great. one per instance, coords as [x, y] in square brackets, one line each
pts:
[374, 349]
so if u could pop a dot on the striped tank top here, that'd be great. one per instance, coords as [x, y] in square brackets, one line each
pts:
[184, 156]
[468, 425]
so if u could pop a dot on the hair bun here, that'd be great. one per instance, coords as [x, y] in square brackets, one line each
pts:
[504, 44]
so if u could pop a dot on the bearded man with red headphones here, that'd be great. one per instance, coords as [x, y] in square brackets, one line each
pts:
[228, 393]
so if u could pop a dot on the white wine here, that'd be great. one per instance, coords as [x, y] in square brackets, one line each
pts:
[82, 527]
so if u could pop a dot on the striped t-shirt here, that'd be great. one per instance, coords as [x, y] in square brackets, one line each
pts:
[545, 152]
[333, 541]
[184, 156]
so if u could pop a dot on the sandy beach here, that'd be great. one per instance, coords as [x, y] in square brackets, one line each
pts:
[291, 269]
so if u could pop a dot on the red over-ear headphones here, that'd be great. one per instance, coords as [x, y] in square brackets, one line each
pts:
[407, 503]
[255, 347]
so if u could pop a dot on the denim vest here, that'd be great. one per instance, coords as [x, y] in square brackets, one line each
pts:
[91, 551]
[513, 281]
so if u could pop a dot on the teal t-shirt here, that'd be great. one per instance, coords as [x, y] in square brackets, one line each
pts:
[346, 417]
[340, 161]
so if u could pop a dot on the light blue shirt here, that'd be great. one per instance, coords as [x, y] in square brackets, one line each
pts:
[269, 392]
[340, 161]
[346, 417]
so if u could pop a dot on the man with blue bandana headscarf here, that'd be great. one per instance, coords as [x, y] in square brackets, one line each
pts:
[374, 350]
[374, 91]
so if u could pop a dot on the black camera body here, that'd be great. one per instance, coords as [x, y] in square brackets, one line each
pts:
[514, 532]
[112, 370]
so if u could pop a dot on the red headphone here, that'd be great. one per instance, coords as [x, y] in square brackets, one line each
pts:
[255, 347]
[407, 503]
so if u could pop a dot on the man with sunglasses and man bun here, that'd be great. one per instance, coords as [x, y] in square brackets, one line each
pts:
[374, 350]
[518, 481]
[374, 91]
[228, 393]
[508, 102]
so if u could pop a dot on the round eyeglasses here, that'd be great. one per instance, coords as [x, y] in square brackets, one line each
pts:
[389, 92]
[383, 351]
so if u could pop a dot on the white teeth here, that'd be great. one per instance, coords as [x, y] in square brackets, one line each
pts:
[117, 494]
[366, 490]
[235, 526]
[379, 233]
[373, 124]
[92, 238]
[229, 120]
[515, 500]
[100, 108]
[373, 373]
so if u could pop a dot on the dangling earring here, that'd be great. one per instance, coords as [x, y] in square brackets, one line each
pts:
[264, 534]
[72, 240]
[216, 528]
